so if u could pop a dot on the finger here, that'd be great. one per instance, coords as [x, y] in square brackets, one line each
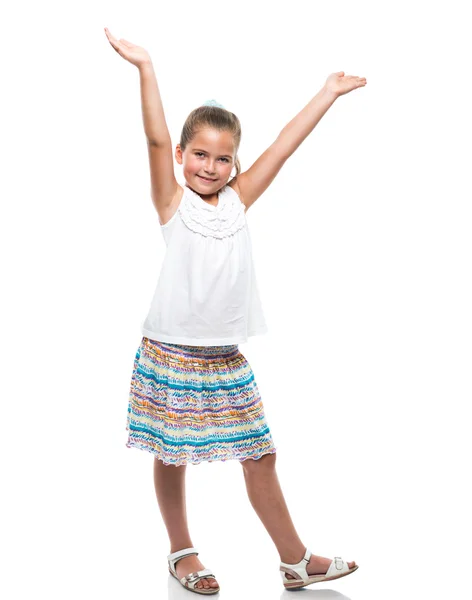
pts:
[110, 36]
[114, 42]
[126, 43]
[117, 48]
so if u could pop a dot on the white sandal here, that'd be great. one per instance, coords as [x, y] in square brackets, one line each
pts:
[189, 581]
[337, 568]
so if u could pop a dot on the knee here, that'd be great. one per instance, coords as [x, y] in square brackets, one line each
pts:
[267, 461]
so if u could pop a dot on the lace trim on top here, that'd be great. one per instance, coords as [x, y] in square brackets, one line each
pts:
[215, 221]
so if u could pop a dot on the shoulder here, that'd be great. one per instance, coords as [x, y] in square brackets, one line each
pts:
[233, 184]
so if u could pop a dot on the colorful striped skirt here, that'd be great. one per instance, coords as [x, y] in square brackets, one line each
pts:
[189, 404]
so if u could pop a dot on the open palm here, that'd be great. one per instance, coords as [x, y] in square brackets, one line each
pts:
[134, 54]
[340, 84]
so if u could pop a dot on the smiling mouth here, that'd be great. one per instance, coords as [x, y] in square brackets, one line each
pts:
[206, 178]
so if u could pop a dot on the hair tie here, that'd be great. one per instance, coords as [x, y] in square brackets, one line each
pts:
[212, 103]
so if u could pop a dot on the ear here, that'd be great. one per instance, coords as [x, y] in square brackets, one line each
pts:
[178, 154]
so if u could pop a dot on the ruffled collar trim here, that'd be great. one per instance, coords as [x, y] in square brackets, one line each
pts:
[220, 221]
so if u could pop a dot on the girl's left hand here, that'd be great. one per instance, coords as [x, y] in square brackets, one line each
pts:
[339, 83]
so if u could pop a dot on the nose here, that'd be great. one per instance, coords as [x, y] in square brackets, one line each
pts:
[210, 167]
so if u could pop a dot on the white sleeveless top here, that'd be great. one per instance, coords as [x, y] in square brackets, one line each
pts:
[207, 293]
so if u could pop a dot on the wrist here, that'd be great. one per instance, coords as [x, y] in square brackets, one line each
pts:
[145, 66]
[330, 94]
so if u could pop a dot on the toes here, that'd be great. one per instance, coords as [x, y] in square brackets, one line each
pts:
[351, 564]
[206, 583]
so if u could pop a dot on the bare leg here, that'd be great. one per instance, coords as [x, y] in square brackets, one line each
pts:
[169, 483]
[266, 497]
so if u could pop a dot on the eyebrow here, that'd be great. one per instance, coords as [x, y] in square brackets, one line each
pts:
[200, 150]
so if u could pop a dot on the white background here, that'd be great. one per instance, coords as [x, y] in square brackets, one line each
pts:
[362, 247]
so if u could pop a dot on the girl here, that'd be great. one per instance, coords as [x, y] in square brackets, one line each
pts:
[193, 395]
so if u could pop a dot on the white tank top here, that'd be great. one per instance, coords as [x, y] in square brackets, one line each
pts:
[207, 293]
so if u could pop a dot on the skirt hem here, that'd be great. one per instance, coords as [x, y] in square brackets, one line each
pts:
[197, 462]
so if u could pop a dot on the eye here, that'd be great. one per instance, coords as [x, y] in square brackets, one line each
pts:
[202, 154]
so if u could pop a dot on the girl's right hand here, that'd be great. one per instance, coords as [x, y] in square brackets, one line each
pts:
[134, 54]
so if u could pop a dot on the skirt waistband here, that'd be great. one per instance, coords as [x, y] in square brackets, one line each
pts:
[226, 351]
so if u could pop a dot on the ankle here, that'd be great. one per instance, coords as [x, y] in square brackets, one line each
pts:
[175, 546]
[293, 556]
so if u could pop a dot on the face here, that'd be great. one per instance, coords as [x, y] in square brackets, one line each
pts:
[211, 154]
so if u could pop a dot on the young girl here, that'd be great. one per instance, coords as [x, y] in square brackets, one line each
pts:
[193, 395]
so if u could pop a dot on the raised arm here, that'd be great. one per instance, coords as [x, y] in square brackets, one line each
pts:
[253, 182]
[164, 185]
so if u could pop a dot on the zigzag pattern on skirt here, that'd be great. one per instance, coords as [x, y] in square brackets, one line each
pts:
[189, 404]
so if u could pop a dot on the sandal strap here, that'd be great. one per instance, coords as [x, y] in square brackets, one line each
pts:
[175, 556]
[192, 579]
[337, 567]
[297, 570]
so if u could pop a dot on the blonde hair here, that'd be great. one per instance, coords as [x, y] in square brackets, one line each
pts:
[212, 117]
